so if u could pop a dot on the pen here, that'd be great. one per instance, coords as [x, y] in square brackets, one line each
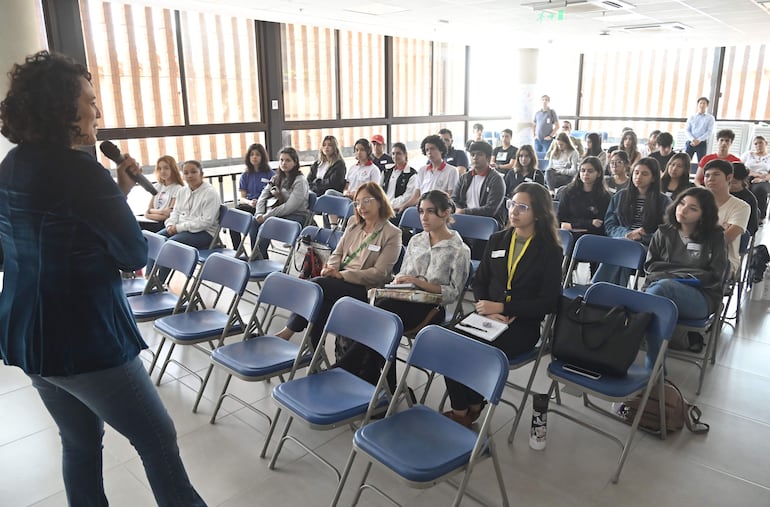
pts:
[473, 327]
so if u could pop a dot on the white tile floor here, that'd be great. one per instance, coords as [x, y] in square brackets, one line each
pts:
[728, 466]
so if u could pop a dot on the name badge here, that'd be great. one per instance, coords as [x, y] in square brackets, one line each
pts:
[695, 247]
[502, 155]
[450, 159]
[265, 180]
[497, 254]
[374, 248]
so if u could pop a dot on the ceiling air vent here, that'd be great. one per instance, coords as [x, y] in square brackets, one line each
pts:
[673, 26]
[612, 5]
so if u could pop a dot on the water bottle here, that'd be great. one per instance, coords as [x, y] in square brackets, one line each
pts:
[537, 432]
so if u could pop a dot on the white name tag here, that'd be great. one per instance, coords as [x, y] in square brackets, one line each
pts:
[696, 247]
[265, 180]
[374, 248]
[496, 254]
[502, 155]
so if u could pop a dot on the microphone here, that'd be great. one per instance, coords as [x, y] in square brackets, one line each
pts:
[113, 153]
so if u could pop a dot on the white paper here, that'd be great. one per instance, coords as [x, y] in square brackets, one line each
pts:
[481, 327]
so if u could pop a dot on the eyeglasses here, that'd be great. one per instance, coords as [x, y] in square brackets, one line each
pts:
[364, 202]
[517, 207]
[616, 162]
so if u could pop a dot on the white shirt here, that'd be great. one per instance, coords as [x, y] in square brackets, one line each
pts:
[321, 170]
[734, 212]
[756, 163]
[196, 210]
[396, 202]
[166, 194]
[473, 192]
[444, 178]
[357, 175]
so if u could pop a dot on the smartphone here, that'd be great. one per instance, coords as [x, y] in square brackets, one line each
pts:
[582, 371]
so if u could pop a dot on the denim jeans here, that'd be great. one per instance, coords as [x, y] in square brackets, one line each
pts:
[690, 301]
[200, 240]
[700, 150]
[126, 399]
[541, 146]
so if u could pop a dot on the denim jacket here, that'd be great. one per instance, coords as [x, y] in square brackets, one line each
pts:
[66, 230]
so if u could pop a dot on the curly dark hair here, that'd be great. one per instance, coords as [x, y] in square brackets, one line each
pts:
[42, 102]
[435, 141]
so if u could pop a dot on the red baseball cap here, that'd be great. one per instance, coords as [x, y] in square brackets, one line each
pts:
[377, 138]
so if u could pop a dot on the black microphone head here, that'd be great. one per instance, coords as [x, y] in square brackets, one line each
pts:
[111, 151]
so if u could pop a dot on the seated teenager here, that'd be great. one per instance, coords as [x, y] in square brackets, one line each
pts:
[328, 171]
[619, 170]
[725, 138]
[363, 171]
[524, 169]
[758, 163]
[594, 148]
[584, 202]
[437, 174]
[253, 180]
[286, 196]
[665, 150]
[436, 261]
[634, 213]
[518, 283]
[169, 182]
[628, 144]
[364, 258]
[687, 257]
[739, 187]
[563, 163]
[676, 178]
[399, 180]
[481, 191]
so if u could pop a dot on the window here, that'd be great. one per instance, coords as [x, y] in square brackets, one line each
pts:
[557, 77]
[132, 56]
[307, 142]
[411, 78]
[220, 62]
[309, 72]
[362, 75]
[448, 78]
[745, 83]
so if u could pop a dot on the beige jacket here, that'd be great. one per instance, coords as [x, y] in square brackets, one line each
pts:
[378, 259]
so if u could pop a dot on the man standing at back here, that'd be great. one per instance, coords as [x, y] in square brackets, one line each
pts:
[544, 126]
[699, 128]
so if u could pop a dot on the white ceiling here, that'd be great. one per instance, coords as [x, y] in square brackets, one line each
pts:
[501, 24]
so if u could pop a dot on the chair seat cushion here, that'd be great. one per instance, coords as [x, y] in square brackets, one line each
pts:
[614, 387]
[152, 306]
[418, 444]
[263, 267]
[575, 291]
[205, 254]
[522, 359]
[194, 326]
[325, 398]
[696, 323]
[258, 357]
[134, 286]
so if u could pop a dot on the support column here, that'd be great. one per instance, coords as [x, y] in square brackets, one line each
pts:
[525, 95]
[21, 26]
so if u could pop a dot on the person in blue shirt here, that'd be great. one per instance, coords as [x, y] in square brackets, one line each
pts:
[67, 231]
[253, 180]
[699, 128]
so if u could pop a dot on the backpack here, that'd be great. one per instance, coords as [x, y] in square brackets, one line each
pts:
[759, 261]
[311, 264]
[679, 412]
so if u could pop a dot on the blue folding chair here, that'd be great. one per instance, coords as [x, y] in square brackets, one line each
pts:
[261, 356]
[420, 445]
[639, 379]
[567, 241]
[473, 227]
[135, 286]
[312, 198]
[274, 229]
[199, 324]
[234, 220]
[342, 207]
[329, 398]
[410, 219]
[619, 252]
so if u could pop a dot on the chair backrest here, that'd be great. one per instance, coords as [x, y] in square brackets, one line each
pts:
[237, 220]
[312, 197]
[566, 242]
[179, 257]
[745, 243]
[410, 219]
[615, 251]
[472, 363]
[380, 332]
[154, 244]
[279, 229]
[302, 297]
[328, 237]
[399, 261]
[226, 271]
[664, 311]
[332, 204]
[474, 226]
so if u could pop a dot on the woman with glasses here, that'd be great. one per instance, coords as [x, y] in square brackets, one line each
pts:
[524, 169]
[364, 258]
[518, 283]
[437, 261]
[618, 178]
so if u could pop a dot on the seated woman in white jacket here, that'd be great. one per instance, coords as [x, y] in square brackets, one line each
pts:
[286, 196]
[563, 165]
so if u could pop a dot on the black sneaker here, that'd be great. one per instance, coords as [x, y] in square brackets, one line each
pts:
[696, 342]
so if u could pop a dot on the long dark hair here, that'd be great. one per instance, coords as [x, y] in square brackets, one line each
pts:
[441, 201]
[598, 189]
[634, 147]
[542, 209]
[264, 165]
[41, 105]
[708, 225]
[653, 205]
[526, 171]
[291, 175]
[596, 144]
[684, 178]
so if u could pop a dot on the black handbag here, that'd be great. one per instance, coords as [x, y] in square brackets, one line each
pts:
[598, 338]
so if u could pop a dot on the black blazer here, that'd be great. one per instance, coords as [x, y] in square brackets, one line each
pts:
[536, 286]
[333, 178]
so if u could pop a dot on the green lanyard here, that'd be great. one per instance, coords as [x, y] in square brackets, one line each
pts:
[348, 259]
[514, 263]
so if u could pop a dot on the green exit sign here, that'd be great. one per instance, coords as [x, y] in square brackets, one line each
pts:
[545, 16]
